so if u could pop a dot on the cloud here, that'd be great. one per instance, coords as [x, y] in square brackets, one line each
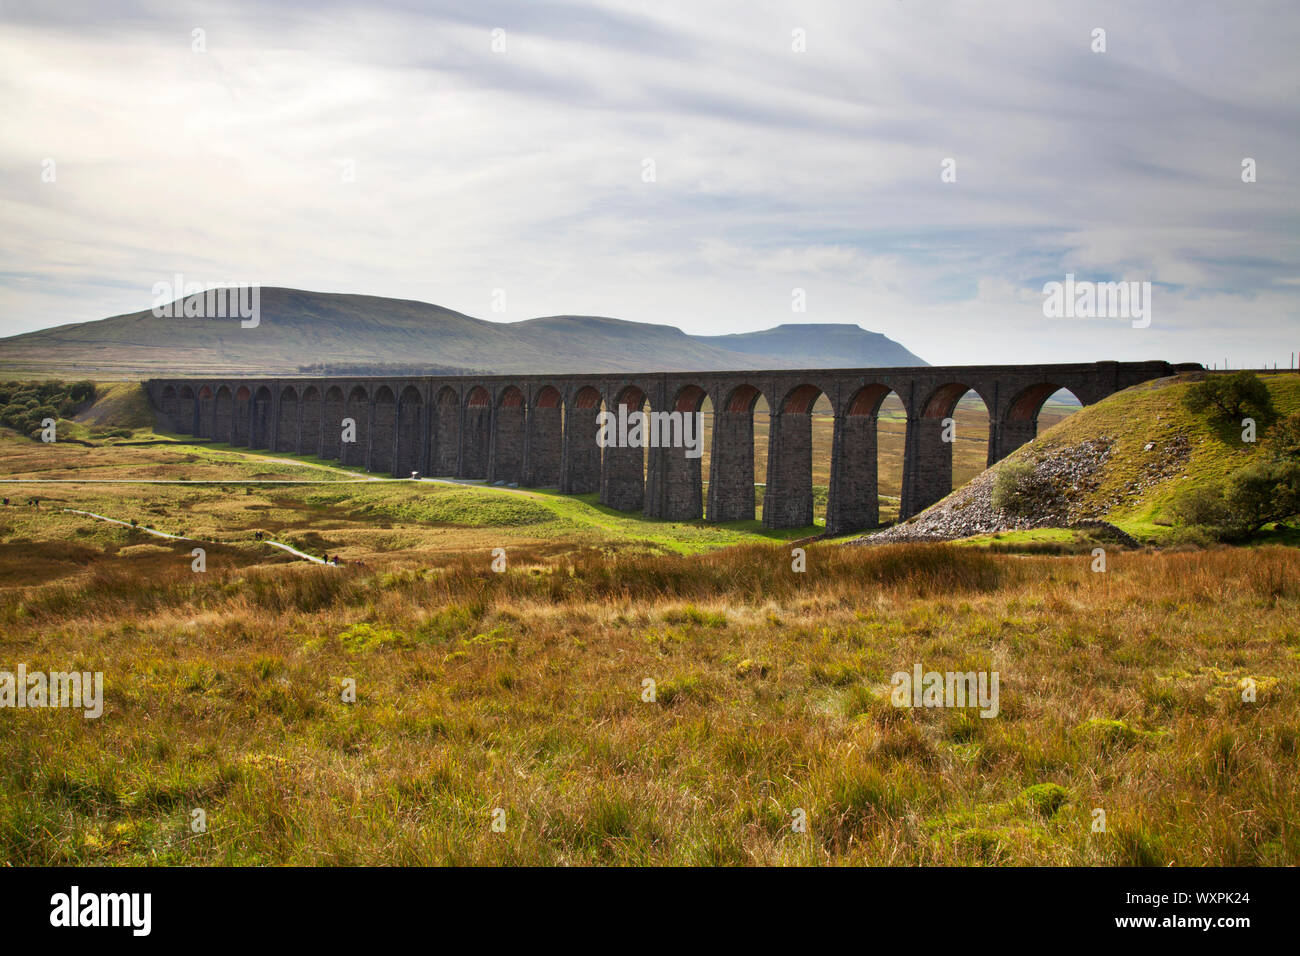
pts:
[386, 149]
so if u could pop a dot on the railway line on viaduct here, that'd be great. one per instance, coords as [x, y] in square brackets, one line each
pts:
[541, 430]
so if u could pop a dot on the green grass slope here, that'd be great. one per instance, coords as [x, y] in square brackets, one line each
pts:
[119, 405]
[1135, 489]
[1124, 460]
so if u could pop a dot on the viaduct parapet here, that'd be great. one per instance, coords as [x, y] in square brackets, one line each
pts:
[541, 430]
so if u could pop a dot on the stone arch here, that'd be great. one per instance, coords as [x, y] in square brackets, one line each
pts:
[240, 433]
[544, 447]
[676, 458]
[586, 398]
[742, 398]
[170, 407]
[788, 495]
[1019, 423]
[187, 410]
[731, 458]
[800, 400]
[506, 460]
[207, 408]
[853, 499]
[444, 438]
[943, 400]
[689, 398]
[356, 412]
[331, 430]
[476, 433]
[580, 465]
[223, 414]
[1028, 402]
[260, 434]
[928, 469]
[384, 431]
[623, 466]
[286, 429]
[410, 409]
[866, 401]
[309, 422]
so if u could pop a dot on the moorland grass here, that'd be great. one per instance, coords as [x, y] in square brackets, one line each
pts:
[523, 691]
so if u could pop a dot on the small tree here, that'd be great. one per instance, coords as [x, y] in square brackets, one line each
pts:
[1283, 439]
[1262, 492]
[1230, 398]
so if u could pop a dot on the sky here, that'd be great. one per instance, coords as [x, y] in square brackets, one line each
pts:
[920, 168]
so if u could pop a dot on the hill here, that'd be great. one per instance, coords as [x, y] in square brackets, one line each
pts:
[299, 329]
[1123, 460]
[819, 346]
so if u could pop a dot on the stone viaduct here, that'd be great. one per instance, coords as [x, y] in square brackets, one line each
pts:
[540, 430]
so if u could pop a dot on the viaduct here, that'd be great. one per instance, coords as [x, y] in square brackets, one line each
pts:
[541, 431]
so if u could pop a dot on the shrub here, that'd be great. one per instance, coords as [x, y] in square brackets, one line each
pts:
[23, 406]
[1283, 439]
[1201, 505]
[1230, 398]
[1262, 492]
[1192, 537]
[11, 415]
[1016, 488]
[1255, 495]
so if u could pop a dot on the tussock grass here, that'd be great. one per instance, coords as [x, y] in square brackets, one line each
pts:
[523, 691]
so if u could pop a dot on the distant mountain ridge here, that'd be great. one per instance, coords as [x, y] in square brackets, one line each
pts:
[819, 346]
[301, 329]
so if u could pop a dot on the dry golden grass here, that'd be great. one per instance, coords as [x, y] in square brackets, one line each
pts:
[22, 458]
[523, 691]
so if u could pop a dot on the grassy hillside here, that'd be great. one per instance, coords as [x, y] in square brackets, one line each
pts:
[1138, 483]
[119, 405]
[301, 328]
